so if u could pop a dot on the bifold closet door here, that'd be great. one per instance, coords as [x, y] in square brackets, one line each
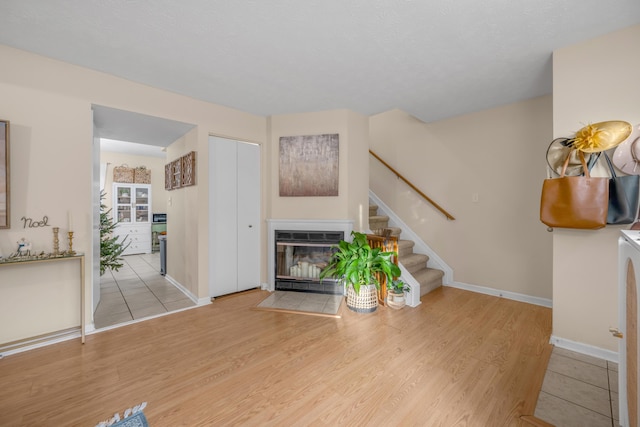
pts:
[234, 223]
[248, 214]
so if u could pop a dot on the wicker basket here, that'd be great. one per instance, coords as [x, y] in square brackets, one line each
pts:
[123, 173]
[364, 302]
[142, 175]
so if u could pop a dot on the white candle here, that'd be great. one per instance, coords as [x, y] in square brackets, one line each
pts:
[69, 219]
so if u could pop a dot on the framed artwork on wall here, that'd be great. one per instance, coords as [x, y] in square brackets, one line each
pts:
[309, 165]
[168, 176]
[189, 169]
[4, 175]
[176, 170]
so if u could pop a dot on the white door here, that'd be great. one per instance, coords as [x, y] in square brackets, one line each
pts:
[248, 216]
[234, 222]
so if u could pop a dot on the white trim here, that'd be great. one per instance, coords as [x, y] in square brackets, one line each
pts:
[544, 302]
[53, 338]
[589, 350]
[142, 319]
[188, 293]
[420, 246]
[413, 296]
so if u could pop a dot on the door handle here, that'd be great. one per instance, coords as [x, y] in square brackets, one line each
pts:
[250, 226]
[615, 332]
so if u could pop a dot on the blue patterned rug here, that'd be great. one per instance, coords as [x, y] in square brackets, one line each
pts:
[136, 420]
[132, 417]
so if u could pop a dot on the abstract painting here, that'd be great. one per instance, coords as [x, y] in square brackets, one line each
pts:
[309, 165]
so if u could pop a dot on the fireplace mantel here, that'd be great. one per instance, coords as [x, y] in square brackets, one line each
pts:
[344, 225]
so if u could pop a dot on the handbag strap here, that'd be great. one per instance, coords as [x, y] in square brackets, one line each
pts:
[584, 164]
[636, 161]
[611, 168]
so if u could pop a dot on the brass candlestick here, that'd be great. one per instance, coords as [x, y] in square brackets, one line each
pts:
[71, 251]
[56, 241]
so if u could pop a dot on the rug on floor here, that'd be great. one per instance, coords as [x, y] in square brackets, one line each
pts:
[132, 417]
[303, 303]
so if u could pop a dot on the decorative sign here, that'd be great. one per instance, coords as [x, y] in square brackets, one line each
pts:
[181, 172]
[30, 223]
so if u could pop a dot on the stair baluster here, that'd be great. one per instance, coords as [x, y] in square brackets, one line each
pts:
[386, 243]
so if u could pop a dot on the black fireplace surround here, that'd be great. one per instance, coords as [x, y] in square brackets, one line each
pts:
[300, 256]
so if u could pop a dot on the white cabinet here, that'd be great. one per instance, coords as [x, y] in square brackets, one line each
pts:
[131, 211]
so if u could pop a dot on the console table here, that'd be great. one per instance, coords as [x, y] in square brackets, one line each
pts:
[10, 262]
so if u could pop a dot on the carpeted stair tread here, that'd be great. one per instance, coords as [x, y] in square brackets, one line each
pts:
[395, 231]
[414, 262]
[429, 279]
[378, 221]
[405, 247]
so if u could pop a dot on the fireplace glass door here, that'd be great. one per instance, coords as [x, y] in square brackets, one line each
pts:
[301, 256]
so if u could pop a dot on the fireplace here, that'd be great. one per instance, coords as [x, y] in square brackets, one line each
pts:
[300, 256]
[294, 242]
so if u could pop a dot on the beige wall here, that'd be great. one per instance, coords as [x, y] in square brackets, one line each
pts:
[498, 155]
[353, 173]
[182, 220]
[49, 105]
[592, 81]
[154, 164]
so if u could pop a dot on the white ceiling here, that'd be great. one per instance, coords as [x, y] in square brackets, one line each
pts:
[433, 58]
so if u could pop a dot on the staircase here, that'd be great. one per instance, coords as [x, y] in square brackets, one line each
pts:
[416, 264]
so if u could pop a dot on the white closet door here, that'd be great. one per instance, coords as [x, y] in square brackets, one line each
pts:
[234, 223]
[248, 184]
[223, 243]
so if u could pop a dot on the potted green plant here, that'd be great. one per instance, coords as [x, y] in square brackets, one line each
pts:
[357, 265]
[395, 293]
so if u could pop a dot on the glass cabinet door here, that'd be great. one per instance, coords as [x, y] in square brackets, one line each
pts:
[142, 204]
[123, 204]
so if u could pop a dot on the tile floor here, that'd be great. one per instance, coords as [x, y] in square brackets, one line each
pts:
[136, 291]
[579, 390]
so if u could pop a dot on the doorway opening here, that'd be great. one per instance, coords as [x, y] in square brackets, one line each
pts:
[137, 290]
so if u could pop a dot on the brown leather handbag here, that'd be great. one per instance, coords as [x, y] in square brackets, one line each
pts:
[575, 201]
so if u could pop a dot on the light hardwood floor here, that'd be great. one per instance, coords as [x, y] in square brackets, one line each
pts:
[459, 359]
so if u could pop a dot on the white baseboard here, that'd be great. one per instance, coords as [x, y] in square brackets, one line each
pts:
[587, 349]
[30, 344]
[188, 293]
[544, 302]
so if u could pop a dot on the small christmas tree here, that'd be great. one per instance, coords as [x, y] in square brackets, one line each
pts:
[110, 249]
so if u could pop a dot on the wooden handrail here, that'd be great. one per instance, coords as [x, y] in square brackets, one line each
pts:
[399, 175]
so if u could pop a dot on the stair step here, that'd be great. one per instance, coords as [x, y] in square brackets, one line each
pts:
[378, 221]
[429, 279]
[405, 247]
[414, 262]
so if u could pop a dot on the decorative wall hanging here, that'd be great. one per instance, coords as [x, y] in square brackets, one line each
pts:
[181, 172]
[309, 165]
[176, 174]
[189, 169]
[5, 211]
[167, 176]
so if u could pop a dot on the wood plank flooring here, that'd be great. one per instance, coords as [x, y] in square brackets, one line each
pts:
[459, 359]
